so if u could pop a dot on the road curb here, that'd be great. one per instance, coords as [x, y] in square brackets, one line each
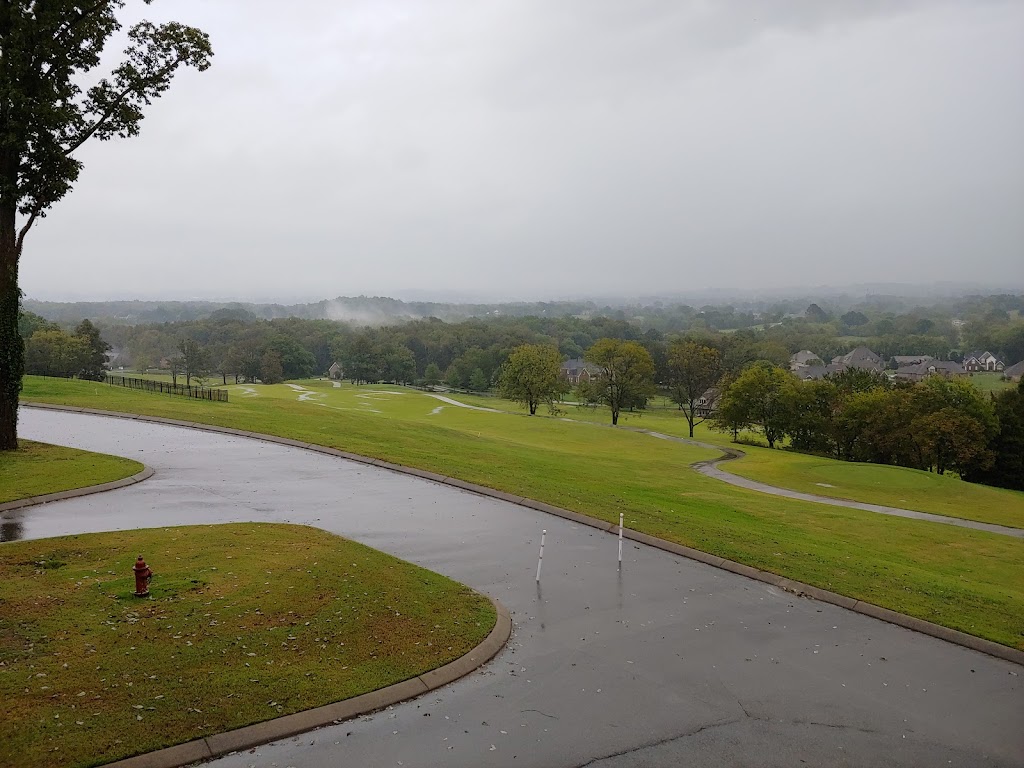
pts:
[795, 587]
[301, 722]
[46, 498]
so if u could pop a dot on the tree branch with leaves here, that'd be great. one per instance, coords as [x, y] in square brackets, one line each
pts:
[46, 50]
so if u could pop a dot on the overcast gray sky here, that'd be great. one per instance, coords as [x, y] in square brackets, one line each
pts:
[517, 148]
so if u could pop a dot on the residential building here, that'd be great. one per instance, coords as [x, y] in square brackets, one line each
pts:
[815, 372]
[862, 358]
[804, 358]
[707, 403]
[1015, 371]
[336, 372]
[982, 361]
[928, 368]
[901, 361]
[578, 370]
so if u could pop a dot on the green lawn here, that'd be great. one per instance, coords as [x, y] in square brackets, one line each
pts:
[990, 382]
[871, 483]
[37, 468]
[968, 580]
[245, 622]
[890, 486]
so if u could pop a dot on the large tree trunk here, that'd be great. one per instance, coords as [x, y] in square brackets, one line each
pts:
[12, 348]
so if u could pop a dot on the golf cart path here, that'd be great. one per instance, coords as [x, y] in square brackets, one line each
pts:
[666, 662]
[712, 468]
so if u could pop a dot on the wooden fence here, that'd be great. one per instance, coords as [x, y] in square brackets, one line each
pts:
[164, 388]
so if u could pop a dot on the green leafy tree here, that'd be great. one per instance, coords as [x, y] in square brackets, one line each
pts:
[478, 381]
[55, 353]
[95, 360]
[432, 376]
[531, 376]
[249, 355]
[30, 322]
[361, 362]
[627, 374]
[271, 370]
[1007, 446]
[854, 319]
[399, 365]
[811, 414]
[193, 359]
[760, 398]
[693, 370]
[47, 49]
[952, 440]
[816, 314]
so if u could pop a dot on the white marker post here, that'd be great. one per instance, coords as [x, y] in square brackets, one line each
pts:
[620, 541]
[540, 559]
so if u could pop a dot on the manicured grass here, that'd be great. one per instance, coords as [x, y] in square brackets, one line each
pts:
[37, 468]
[968, 580]
[870, 483]
[245, 622]
[890, 486]
[990, 382]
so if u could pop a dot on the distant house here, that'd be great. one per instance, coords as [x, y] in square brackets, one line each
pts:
[901, 361]
[923, 370]
[707, 403]
[815, 372]
[578, 370]
[1014, 372]
[982, 361]
[336, 372]
[113, 359]
[804, 358]
[861, 357]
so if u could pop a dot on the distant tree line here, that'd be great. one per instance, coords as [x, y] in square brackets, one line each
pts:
[51, 351]
[739, 376]
[939, 424]
[891, 325]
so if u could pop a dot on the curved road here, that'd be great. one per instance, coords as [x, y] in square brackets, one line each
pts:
[669, 662]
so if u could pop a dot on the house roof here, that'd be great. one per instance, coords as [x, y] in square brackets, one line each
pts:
[579, 364]
[803, 357]
[859, 357]
[1017, 369]
[814, 372]
[947, 367]
[979, 355]
[911, 359]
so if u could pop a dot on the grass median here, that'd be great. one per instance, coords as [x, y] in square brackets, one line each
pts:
[38, 468]
[968, 580]
[245, 622]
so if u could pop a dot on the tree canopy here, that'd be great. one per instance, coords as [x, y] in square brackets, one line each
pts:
[47, 51]
[532, 375]
[694, 369]
[626, 377]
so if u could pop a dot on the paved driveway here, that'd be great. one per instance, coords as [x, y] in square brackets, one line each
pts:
[668, 663]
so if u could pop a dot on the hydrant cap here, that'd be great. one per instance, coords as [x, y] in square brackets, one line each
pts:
[140, 564]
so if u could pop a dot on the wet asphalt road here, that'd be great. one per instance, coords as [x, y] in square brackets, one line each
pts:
[669, 662]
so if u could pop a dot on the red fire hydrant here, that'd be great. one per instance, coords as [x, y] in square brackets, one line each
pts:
[143, 574]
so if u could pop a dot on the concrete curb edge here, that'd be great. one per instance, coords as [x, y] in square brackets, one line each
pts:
[796, 587]
[46, 498]
[254, 735]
